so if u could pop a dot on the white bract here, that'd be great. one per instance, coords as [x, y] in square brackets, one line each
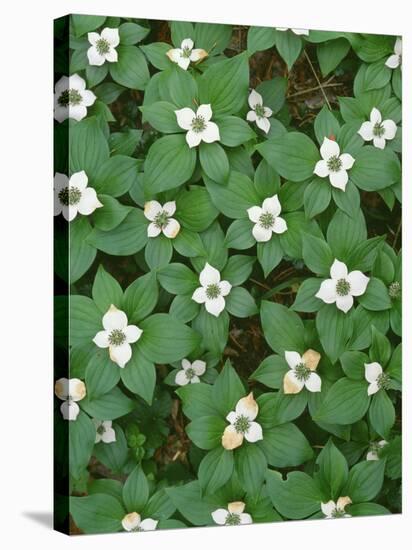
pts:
[334, 164]
[302, 372]
[259, 113]
[375, 447]
[336, 509]
[186, 54]
[295, 31]
[161, 219]
[104, 431]
[395, 60]
[266, 219]
[190, 372]
[377, 130]
[133, 522]
[198, 125]
[72, 196]
[117, 336]
[376, 377]
[212, 291]
[233, 515]
[242, 425]
[342, 286]
[71, 98]
[70, 391]
[103, 46]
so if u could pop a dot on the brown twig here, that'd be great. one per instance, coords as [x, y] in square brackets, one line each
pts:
[303, 92]
[317, 80]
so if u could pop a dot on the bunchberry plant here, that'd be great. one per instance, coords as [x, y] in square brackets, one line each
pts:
[228, 274]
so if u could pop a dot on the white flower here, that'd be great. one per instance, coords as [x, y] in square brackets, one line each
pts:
[161, 220]
[185, 54]
[259, 113]
[212, 291]
[103, 46]
[395, 60]
[242, 424]
[334, 510]
[302, 373]
[266, 219]
[375, 447]
[333, 164]
[117, 336]
[234, 515]
[133, 522]
[199, 126]
[376, 377]
[295, 31]
[72, 196]
[71, 98]
[104, 431]
[342, 286]
[190, 372]
[70, 391]
[377, 130]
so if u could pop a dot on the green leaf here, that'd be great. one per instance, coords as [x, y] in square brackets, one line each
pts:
[376, 296]
[85, 320]
[214, 161]
[94, 75]
[215, 469]
[238, 269]
[87, 146]
[282, 327]
[306, 300]
[81, 254]
[293, 155]
[239, 235]
[333, 470]
[395, 365]
[158, 252]
[140, 297]
[271, 371]
[335, 329]
[382, 413]
[345, 233]
[260, 38]
[97, 513]
[156, 53]
[345, 403]
[233, 199]
[285, 446]
[317, 255]
[331, 53]
[184, 308]
[269, 254]
[375, 169]
[131, 68]
[117, 175]
[367, 509]
[214, 330]
[108, 406]
[169, 163]
[86, 23]
[179, 31]
[353, 364]
[161, 115]
[296, 497]
[206, 432]
[225, 85]
[178, 87]
[124, 143]
[365, 480]
[227, 390]
[165, 340]
[251, 466]
[106, 290]
[380, 349]
[131, 33]
[212, 37]
[178, 279]
[139, 376]
[377, 75]
[289, 46]
[194, 209]
[364, 254]
[101, 375]
[114, 456]
[362, 321]
[325, 125]
[197, 400]
[111, 215]
[188, 500]
[127, 238]
[234, 131]
[82, 434]
[136, 491]
[316, 197]
[159, 506]
[241, 303]
[273, 92]
[278, 408]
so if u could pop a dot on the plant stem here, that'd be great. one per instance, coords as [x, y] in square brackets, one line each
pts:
[317, 80]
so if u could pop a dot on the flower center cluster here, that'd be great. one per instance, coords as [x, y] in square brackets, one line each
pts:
[302, 372]
[266, 220]
[232, 519]
[338, 513]
[260, 111]
[378, 129]
[186, 52]
[342, 287]
[242, 424]
[198, 124]
[70, 196]
[212, 291]
[383, 381]
[70, 97]
[190, 373]
[395, 289]
[334, 164]
[102, 46]
[117, 337]
[161, 219]
[100, 430]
